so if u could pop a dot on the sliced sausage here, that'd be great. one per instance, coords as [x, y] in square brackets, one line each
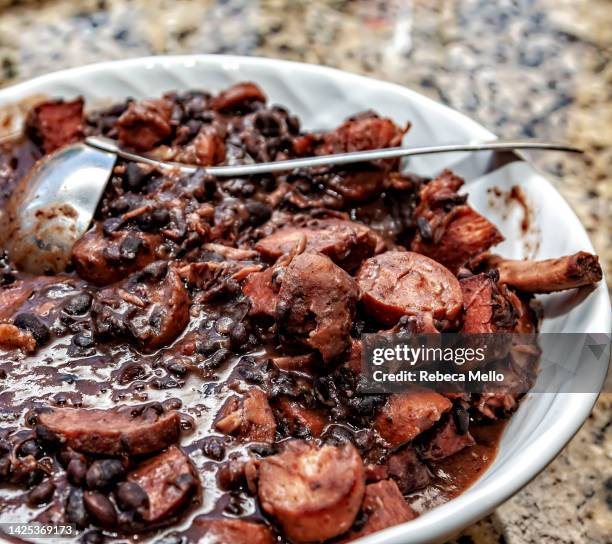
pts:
[317, 304]
[168, 480]
[384, 506]
[313, 492]
[397, 283]
[103, 260]
[56, 123]
[446, 441]
[111, 432]
[345, 242]
[250, 418]
[229, 531]
[237, 95]
[151, 307]
[145, 124]
[406, 415]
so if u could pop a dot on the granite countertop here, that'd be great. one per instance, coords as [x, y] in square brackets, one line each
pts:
[530, 68]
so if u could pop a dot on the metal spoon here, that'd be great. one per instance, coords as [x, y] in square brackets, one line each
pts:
[53, 206]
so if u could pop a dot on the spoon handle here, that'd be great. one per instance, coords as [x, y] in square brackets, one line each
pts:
[112, 146]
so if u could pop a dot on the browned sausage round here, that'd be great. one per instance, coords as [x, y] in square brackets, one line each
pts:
[313, 492]
[111, 432]
[316, 304]
[398, 283]
[345, 242]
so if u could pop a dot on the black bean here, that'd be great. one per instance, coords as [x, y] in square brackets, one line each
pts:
[130, 246]
[5, 467]
[93, 537]
[493, 274]
[100, 508]
[177, 368]
[45, 434]
[112, 254]
[135, 176]
[160, 216]
[131, 372]
[235, 505]
[461, 418]
[66, 455]
[41, 494]
[75, 509]
[250, 373]
[335, 435]
[262, 450]
[239, 335]
[78, 304]
[258, 212]
[112, 225]
[217, 358]
[83, 340]
[31, 447]
[155, 271]
[214, 448]
[33, 477]
[76, 471]
[208, 344]
[145, 221]
[324, 391]
[223, 325]
[267, 182]
[120, 205]
[130, 496]
[268, 123]
[425, 229]
[366, 404]
[32, 323]
[103, 474]
[194, 127]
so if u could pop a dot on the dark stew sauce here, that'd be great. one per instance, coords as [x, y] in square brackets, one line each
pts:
[194, 375]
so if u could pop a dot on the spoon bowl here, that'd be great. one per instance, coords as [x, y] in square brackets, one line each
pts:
[52, 207]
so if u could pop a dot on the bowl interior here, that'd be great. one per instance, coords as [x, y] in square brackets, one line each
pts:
[322, 98]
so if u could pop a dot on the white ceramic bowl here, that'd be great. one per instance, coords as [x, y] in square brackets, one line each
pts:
[323, 97]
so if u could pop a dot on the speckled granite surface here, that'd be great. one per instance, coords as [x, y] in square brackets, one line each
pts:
[522, 68]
